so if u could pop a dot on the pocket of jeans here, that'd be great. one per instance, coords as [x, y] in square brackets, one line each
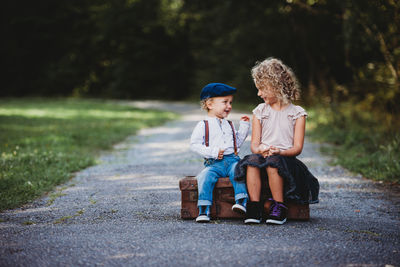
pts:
[208, 162]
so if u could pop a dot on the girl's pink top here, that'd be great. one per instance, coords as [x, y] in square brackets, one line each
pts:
[278, 126]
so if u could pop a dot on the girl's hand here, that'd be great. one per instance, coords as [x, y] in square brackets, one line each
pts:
[263, 150]
[274, 151]
[221, 154]
[245, 118]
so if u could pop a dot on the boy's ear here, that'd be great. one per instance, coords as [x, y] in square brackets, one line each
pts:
[209, 103]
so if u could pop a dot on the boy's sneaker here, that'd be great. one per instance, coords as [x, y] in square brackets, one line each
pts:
[204, 214]
[277, 213]
[240, 206]
[254, 213]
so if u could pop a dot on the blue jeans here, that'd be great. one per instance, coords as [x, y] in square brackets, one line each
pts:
[215, 169]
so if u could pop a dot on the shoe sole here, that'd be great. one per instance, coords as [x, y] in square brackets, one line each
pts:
[252, 221]
[271, 221]
[239, 209]
[203, 219]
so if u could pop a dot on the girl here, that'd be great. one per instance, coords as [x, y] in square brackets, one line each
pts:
[277, 138]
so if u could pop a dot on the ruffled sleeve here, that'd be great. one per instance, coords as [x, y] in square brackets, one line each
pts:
[261, 112]
[296, 112]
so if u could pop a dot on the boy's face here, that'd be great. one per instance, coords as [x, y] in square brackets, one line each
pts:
[220, 106]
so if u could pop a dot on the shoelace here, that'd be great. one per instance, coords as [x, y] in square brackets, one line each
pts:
[276, 209]
[203, 210]
[242, 202]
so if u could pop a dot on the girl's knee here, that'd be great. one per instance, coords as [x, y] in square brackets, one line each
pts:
[272, 170]
[253, 174]
[253, 170]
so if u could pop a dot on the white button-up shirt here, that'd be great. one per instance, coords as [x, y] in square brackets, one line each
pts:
[220, 137]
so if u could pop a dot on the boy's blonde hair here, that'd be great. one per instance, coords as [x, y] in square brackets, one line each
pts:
[279, 77]
[204, 102]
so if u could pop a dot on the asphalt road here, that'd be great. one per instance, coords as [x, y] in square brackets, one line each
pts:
[125, 211]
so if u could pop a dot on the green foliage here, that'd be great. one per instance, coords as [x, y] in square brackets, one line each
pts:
[94, 48]
[340, 49]
[334, 47]
[43, 141]
[363, 141]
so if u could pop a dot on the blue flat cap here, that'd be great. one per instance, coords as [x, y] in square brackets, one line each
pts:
[216, 89]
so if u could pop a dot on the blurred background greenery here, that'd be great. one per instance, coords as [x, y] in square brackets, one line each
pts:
[169, 49]
[346, 54]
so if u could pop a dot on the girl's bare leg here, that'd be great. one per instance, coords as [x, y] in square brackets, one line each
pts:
[275, 184]
[253, 180]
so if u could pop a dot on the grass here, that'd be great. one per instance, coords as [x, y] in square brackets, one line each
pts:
[363, 142]
[44, 141]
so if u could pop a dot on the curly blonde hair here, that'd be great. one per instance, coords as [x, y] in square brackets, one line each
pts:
[204, 103]
[278, 77]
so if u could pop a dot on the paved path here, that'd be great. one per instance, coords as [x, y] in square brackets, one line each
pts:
[125, 212]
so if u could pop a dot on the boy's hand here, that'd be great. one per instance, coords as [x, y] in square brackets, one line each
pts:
[264, 150]
[274, 151]
[245, 118]
[221, 153]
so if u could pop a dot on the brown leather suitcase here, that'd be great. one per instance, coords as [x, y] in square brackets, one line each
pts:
[223, 199]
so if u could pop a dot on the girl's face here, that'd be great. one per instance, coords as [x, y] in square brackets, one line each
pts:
[267, 94]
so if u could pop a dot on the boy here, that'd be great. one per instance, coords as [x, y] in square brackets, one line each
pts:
[218, 142]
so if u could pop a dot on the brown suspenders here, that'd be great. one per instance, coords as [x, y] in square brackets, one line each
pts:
[234, 137]
[206, 130]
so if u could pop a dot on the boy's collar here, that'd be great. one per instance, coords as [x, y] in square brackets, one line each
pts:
[218, 119]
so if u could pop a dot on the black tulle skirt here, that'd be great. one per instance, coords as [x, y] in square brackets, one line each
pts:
[300, 185]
